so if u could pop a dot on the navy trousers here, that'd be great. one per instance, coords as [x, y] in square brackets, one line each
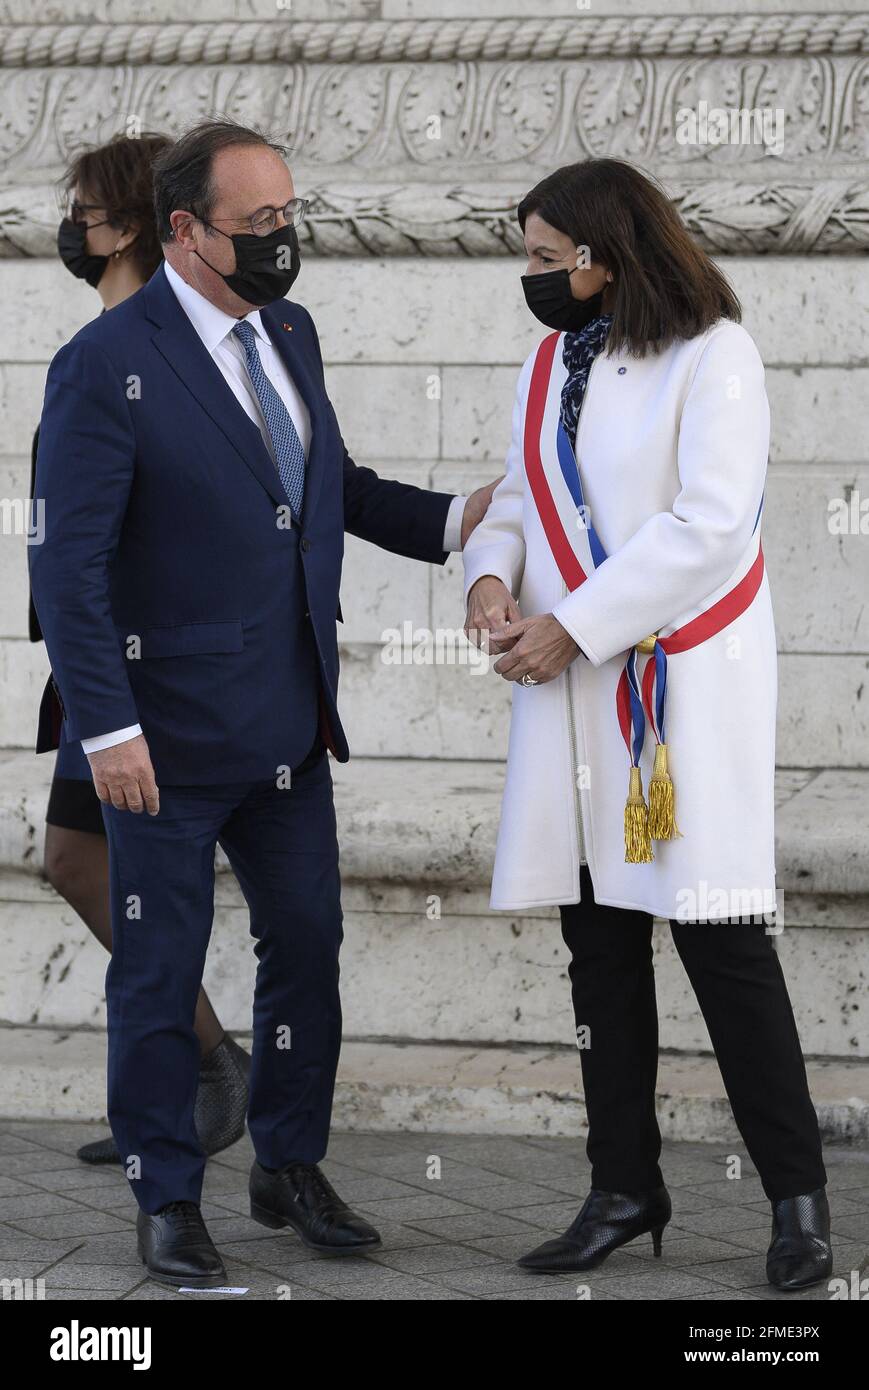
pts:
[282, 846]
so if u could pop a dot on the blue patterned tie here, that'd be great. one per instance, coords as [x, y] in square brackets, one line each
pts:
[289, 454]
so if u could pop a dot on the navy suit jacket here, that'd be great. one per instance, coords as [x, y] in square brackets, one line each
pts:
[171, 588]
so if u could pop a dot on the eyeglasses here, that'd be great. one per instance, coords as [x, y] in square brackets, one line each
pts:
[264, 220]
[78, 212]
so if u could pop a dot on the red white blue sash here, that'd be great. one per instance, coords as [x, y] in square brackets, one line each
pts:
[556, 486]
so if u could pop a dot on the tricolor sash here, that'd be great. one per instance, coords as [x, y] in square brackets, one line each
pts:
[556, 486]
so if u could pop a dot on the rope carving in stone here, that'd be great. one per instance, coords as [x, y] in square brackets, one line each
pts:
[366, 41]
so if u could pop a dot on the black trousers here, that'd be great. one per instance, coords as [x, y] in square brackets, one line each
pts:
[737, 979]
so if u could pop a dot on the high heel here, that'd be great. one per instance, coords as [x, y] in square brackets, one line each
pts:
[606, 1220]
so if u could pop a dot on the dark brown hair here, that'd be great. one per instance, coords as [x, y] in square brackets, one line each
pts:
[119, 177]
[666, 287]
[182, 174]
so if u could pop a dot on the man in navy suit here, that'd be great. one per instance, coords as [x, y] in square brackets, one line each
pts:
[197, 490]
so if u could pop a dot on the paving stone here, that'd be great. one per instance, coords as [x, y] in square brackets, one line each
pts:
[218, 1180]
[686, 1202]
[38, 1161]
[345, 1275]
[81, 1179]
[476, 1223]
[34, 1204]
[688, 1250]
[664, 1284]
[720, 1220]
[508, 1194]
[110, 1248]
[82, 1221]
[854, 1226]
[722, 1296]
[456, 1238]
[486, 1279]
[20, 1269]
[554, 1217]
[77, 1295]
[271, 1254]
[73, 1274]
[433, 1259]
[730, 1191]
[414, 1291]
[14, 1144]
[748, 1272]
[427, 1205]
[550, 1293]
[16, 1246]
[14, 1187]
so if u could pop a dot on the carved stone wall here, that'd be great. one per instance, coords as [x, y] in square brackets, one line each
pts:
[414, 127]
[417, 136]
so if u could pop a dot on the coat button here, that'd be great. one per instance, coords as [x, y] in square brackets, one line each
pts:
[305, 543]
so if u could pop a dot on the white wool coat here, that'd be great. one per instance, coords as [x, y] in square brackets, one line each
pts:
[672, 452]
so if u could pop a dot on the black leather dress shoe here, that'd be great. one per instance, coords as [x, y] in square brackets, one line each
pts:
[800, 1253]
[177, 1249]
[299, 1196]
[606, 1220]
[221, 1104]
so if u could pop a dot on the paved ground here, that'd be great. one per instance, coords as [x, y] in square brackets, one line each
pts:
[453, 1237]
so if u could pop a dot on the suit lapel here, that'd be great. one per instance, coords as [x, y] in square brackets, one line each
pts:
[179, 343]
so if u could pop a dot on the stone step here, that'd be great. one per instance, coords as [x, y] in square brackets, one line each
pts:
[443, 1087]
[424, 959]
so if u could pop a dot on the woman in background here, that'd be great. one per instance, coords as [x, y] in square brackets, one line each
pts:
[109, 239]
[643, 660]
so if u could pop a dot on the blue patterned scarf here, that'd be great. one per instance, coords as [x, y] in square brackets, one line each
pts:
[578, 354]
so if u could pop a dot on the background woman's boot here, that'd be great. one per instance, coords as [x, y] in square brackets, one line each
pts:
[221, 1104]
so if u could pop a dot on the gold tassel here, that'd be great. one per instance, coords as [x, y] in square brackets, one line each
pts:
[638, 845]
[662, 807]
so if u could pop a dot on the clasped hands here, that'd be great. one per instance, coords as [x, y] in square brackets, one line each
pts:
[537, 647]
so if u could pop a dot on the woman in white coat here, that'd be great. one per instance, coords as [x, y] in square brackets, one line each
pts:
[619, 574]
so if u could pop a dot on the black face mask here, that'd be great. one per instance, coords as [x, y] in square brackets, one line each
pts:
[257, 278]
[71, 238]
[549, 298]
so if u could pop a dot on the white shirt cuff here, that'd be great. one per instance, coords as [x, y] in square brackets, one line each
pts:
[94, 745]
[453, 529]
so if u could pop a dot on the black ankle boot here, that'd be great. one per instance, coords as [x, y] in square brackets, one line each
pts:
[800, 1253]
[221, 1104]
[606, 1220]
[99, 1151]
[221, 1097]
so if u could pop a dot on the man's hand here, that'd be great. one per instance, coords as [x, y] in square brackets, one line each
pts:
[123, 775]
[475, 508]
[490, 605]
[539, 647]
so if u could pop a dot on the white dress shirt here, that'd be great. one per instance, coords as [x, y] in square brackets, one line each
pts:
[214, 328]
